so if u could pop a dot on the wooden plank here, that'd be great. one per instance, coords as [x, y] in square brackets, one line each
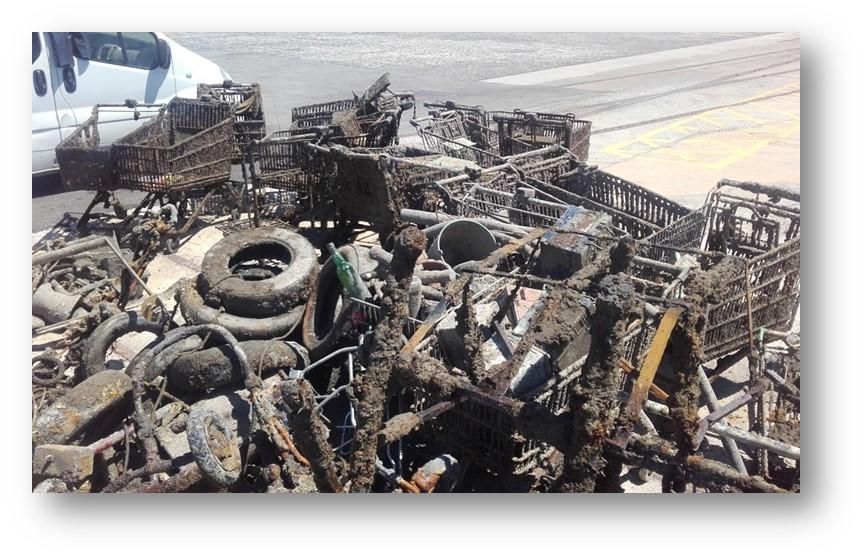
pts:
[652, 361]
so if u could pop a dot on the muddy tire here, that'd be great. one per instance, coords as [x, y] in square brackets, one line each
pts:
[322, 326]
[214, 446]
[96, 346]
[295, 257]
[196, 312]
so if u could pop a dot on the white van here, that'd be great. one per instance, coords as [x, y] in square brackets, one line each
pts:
[72, 72]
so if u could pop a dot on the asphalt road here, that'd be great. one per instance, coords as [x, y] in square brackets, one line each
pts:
[628, 84]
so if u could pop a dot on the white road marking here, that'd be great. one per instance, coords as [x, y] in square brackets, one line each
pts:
[665, 56]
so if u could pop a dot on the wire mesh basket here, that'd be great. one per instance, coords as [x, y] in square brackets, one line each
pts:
[517, 209]
[249, 124]
[286, 165]
[635, 209]
[448, 137]
[520, 131]
[189, 144]
[685, 233]
[759, 227]
[84, 157]
[374, 117]
[320, 114]
[474, 121]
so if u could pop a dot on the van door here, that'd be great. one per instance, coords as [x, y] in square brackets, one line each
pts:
[109, 68]
[44, 126]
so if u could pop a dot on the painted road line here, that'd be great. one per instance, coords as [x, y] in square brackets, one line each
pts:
[720, 137]
[701, 52]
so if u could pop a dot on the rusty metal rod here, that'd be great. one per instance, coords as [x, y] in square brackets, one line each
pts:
[714, 405]
[747, 438]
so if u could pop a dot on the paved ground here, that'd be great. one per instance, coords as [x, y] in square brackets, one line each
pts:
[674, 112]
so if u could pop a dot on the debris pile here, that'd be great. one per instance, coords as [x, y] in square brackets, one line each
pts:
[482, 310]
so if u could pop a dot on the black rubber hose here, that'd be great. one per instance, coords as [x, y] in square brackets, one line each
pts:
[138, 367]
[166, 358]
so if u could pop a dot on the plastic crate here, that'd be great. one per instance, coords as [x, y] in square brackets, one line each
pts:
[189, 144]
[249, 123]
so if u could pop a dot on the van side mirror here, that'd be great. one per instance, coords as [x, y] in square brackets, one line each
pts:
[163, 53]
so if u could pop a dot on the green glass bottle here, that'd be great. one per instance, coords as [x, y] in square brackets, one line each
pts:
[348, 275]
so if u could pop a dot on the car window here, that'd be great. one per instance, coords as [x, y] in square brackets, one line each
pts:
[137, 50]
[140, 49]
[37, 47]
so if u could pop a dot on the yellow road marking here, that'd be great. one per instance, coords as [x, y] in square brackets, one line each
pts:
[753, 125]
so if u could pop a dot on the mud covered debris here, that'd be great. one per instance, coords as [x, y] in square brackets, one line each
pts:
[479, 310]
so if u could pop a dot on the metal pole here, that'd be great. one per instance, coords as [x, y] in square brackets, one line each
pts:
[747, 438]
[714, 405]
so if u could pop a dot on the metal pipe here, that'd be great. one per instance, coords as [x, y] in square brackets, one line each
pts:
[714, 405]
[675, 269]
[747, 438]
[322, 360]
[428, 218]
[71, 249]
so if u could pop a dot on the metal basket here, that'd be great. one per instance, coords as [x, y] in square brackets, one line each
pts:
[520, 131]
[189, 144]
[475, 121]
[286, 164]
[319, 114]
[686, 233]
[760, 227]
[249, 124]
[489, 435]
[454, 143]
[518, 210]
[86, 164]
[635, 209]
[379, 126]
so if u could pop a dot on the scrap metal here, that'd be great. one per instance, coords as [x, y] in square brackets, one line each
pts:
[575, 329]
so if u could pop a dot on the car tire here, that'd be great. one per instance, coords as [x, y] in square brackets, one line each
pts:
[264, 298]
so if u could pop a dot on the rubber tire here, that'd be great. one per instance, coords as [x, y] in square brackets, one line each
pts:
[195, 311]
[197, 426]
[325, 287]
[217, 366]
[96, 346]
[258, 299]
